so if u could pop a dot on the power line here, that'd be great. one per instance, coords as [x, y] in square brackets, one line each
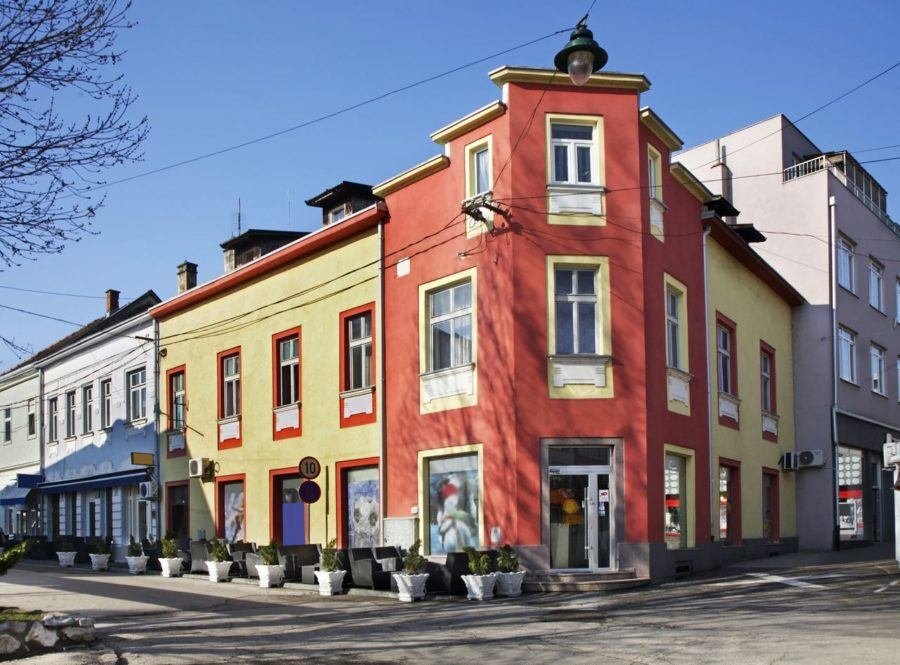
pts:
[54, 293]
[43, 316]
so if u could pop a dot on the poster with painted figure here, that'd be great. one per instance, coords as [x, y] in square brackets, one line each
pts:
[363, 519]
[233, 511]
[453, 504]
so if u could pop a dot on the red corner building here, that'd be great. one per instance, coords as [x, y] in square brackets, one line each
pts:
[544, 337]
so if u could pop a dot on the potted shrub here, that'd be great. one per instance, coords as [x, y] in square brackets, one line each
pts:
[169, 561]
[100, 555]
[218, 565]
[509, 577]
[411, 580]
[480, 580]
[271, 573]
[329, 577]
[137, 562]
[66, 552]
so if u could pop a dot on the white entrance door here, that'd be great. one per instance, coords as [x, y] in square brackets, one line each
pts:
[580, 517]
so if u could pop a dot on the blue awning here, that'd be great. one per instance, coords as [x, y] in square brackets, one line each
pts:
[14, 496]
[95, 482]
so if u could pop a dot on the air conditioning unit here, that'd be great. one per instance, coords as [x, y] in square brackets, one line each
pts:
[789, 461]
[808, 459]
[197, 467]
[147, 490]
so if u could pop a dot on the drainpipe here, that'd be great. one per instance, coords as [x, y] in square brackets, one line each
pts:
[157, 413]
[832, 303]
[380, 382]
[709, 400]
[46, 528]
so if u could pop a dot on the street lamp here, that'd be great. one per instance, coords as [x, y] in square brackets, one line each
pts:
[582, 56]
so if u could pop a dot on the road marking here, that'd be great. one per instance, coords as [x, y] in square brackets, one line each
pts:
[886, 586]
[791, 581]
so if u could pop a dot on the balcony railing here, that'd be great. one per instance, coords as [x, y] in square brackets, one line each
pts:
[805, 168]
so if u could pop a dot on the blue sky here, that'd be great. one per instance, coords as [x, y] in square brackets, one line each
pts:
[213, 74]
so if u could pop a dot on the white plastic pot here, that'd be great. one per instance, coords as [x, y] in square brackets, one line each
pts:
[510, 584]
[480, 587]
[410, 587]
[171, 567]
[219, 570]
[66, 559]
[270, 576]
[330, 582]
[99, 561]
[137, 564]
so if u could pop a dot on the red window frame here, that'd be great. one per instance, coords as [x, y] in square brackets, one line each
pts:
[275, 515]
[766, 349]
[171, 408]
[340, 472]
[731, 327]
[169, 486]
[357, 418]
[220, 385]
[289, 432]
[735, 533]
[220, 502]
[775, 501]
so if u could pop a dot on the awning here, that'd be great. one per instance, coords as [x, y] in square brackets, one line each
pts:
[14, 496]
[95, 482]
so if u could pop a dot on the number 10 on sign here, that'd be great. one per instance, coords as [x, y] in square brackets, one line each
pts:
[310, 468]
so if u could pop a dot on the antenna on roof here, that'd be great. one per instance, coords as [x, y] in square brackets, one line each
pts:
[239, 216]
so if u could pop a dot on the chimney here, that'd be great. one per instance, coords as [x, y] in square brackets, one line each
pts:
[187, 276]
[112, 301]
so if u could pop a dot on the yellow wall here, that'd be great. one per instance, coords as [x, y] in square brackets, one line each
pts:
[270, 309]
[760, 314]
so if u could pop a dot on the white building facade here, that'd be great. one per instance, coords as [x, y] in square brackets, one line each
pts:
[20, 451]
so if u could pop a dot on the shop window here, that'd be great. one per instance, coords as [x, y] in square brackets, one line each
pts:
[178, 509]
[231, 508]
[729, 503]
[677, 505]
[771, 521]
[454, 514]
[361, 519]
[851, 517]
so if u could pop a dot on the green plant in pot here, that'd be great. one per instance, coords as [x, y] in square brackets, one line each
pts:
[65, 551]
[137, 561]
[329, 576]
[169, 561]
[480, 581]
[99, 554]
[270, 572]
[218, 565]
[411, 580]
[509, 577]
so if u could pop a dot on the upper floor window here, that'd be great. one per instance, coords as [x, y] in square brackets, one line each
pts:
[337, 214]
[876, 355]
[726, 358]
[106, 403]
[450, 321]
[230, 388]
[897, 298]
[575, 293]
[288, 370]
[673, 327]
[480, 170]
[847, 354]
[7, 424]
[767, 380]
[359, 351]
[87, 409]
[70, 414]
[136, 380]
[876, 285]
[177, 401]
[32, 419]
[573, 149]
[845, 264]
[52, 423]
[654, 173]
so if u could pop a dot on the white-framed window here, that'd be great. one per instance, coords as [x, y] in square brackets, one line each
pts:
[70, 414]
[480, 170]
[87, 409]
[573, 156]
[765, 381]
[32, 419]
[288, 370]
[724, 355]
[847, 354]
[846, 264]
[450, 323]
[337, 214]
[876, 360]
[897, 303]
[106, 403]
[577, 308]
[359, 351]
[898, 379]
[52, 423]
[7, 424]
[654, 174]
[673, 327]
[231, 386]
[876, 285]
[178, 397]
[136, 381]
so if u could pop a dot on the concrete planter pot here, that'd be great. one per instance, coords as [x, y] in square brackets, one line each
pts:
[66, 559]
[510, 584]
[480, 587]
[171, 567]
[137, 564]
[219, 571]
[99, 561]
[330, 582]
[410, 587]
[270, 576]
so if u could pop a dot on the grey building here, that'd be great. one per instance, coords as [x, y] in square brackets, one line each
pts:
[20, 450]
[829, 234]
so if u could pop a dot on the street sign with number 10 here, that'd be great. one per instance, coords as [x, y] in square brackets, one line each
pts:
[310, 468]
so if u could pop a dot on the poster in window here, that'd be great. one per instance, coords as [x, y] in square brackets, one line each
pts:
[453, 504]
[363, 519]
[233, 511]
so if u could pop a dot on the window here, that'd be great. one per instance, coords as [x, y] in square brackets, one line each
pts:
[676, 516]
[876, 358]
[52, 415]
[898, 379]
[231, 508]
[358, 505]
[70, 414]
[876, 285]
[847, 355]
[729, 503]
[450, 316]
[337, 214]
[87, 409]
[359, 351]
[770, 506]
[573, 148]
[726, 359]
[654, 174]
[897, 304]
[454, 503]
[767, 380]
[106, 403]
[288, 370]
[845, 263]
[231, 386]
[177, 397]
[479, 170]
[137, 394]
[32, 419]
[576, 310]
[7, 424]
[673, 327]
[575, 169]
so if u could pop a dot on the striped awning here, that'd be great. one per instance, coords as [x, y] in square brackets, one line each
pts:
[131, 477]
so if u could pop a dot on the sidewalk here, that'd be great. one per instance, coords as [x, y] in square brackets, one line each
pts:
[879, 552]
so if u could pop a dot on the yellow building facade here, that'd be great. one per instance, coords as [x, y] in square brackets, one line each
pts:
[268, 364]
[749, 309]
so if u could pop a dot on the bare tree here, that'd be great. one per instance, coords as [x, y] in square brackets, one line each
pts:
[58, 54]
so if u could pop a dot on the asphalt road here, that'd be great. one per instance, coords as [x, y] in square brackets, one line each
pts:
[815, 610]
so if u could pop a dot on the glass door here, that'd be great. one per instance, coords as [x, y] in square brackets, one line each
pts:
[580, 517]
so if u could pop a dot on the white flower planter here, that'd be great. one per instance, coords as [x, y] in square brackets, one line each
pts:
[410, 587]
[66, 559]
[99, 561]
[330, 582]
[510, 584]
[137, 564]
[480, 587]
[171, 567]
[270, 576]
[219, 570]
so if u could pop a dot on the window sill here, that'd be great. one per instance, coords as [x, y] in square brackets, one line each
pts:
[88, 433]
[878, 394]
[69, 439]
[447, 382]
[359, 401]
[848, 290]
[575, 198]
[357, 392]
[286, 419]
[137, 422]
[879, 310]
[678, 386]
[579, 369]
[849, 382]
[729, 406]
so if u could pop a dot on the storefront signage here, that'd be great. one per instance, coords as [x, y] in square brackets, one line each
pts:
[142, 459]
[309, 491]
[310, 468]
[603, 496]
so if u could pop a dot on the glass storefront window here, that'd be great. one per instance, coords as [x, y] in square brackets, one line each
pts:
[453, 503]
[579, 456]
[232, 497]
[362, 518]
[850, 494]
[676, 502]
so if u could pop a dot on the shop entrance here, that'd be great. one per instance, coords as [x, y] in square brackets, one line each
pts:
[581, 506]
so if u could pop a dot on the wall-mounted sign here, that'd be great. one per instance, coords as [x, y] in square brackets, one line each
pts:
[310, 468]
[603, 496]
[142, 459]
[309, 491]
